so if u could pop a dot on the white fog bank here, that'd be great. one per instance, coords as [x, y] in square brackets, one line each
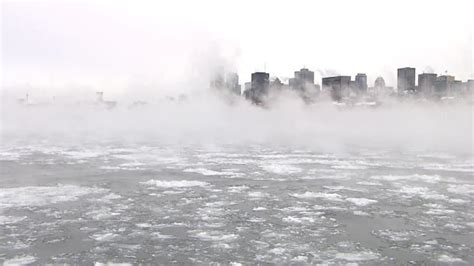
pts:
[206, 119]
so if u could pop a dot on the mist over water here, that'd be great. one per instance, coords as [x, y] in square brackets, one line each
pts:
[208, 118]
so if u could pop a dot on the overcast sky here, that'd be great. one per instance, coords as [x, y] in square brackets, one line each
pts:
[176, 43]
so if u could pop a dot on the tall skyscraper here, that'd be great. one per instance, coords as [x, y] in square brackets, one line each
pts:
[361, 83]
[337, 86]
[259, 85]
[426, 83]
[443, 85]
[302, 78]
[406, 79]
[260, 81]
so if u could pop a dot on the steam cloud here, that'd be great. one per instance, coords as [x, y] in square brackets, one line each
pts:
[208, 119]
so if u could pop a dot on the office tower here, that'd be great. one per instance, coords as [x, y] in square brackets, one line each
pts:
[337, 86]
[406, 80]
[361, 83]
[426, 83]
[443, 85]
[302, 79]
[260, 82]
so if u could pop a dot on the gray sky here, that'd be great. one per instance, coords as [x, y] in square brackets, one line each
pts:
[174, 43]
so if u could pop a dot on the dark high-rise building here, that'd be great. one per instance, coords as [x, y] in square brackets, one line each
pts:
[303, 80]
[338, 86]
[258, 87]
[304, 76]
[260, 81]
[443, 85]
[406, 79]
[426, 83]
[361, 83]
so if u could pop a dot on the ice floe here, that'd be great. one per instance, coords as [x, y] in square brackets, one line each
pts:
[397, 236]
[448, 259]
[208, 172]
[104, 236]
[420, 178]
[281, 169]
[11, 219]
[422, 192]
[361, 201]
[319, 195]
[298, 220]
[257, 194]
[20, 260]
[464, 189]
[216, 236]
[175, 183]
[358, 256]
[43, 195]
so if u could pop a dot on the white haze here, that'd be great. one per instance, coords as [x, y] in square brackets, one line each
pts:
[208, 119]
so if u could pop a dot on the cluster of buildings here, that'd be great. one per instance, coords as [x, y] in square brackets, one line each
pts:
[341, 89]
[431, 85]
[344, 88]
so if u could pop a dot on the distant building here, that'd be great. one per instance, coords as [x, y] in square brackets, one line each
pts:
[303, 84]
[302, 79]
[276, 84]
[443, 85]
[361, 83]
[406, 79]
[226, 82]
[379, 83]
[426, 83]
[217, 81]
[380, 88]
[258, 87]
[232, 83]
[260, 81]
[292, 83]
[338, 86]
[247, 86]
[470, 86]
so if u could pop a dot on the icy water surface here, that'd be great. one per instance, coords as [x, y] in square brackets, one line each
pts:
[151, 203]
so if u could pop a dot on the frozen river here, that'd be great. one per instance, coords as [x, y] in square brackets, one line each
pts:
[102, 202]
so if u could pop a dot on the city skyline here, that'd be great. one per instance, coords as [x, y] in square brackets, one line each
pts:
[340, 87]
